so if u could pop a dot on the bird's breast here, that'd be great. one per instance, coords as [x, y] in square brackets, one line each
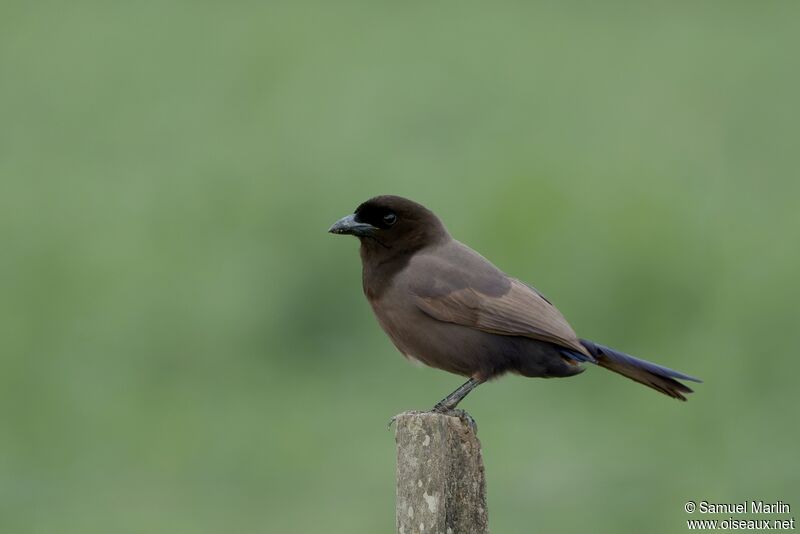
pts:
[396, 314]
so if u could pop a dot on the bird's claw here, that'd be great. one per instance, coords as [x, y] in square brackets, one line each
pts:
[466, 419]
[457, 412]
[441, 409]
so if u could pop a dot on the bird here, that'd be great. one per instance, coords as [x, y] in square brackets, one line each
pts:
[443, 304]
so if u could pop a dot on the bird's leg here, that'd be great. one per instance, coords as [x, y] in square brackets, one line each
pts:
[448, 403]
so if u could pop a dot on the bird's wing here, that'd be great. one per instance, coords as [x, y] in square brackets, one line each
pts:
[486, 299]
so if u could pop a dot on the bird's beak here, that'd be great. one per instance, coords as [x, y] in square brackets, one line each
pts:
[349, 225]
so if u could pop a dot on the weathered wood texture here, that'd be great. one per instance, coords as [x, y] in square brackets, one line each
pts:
[441, 486]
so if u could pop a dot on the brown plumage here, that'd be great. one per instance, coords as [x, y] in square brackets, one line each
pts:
[442, 303]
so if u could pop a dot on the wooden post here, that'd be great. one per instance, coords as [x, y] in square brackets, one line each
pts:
[440, 480]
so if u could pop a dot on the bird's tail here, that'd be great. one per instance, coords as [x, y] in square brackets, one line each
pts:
[651, 375]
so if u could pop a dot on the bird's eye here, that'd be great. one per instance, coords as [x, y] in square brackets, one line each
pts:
[390, 219]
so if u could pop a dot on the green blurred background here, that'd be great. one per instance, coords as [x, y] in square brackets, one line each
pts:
[185, 349]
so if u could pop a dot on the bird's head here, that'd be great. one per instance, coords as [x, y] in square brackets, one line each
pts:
[392, 223]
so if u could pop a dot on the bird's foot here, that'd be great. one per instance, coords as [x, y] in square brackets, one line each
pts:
[456, 412]
[466, 419]
[451, 412]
